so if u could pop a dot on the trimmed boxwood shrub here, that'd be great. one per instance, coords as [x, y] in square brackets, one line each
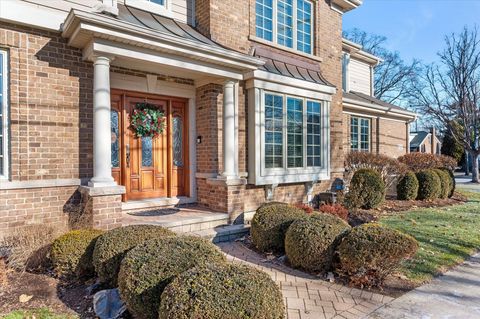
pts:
[445, 183]
[453, 182]
[222, 291]
[310, 242]
[71, 253]
[270, 223]
[429, 185]
[112, 246]
[148, 268]
[367, 190]
[370, 252]
[407, 187]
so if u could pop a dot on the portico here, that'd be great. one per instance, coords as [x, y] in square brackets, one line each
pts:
[184, 55]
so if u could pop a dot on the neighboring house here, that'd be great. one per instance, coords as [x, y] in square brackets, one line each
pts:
[370, 125]
[425, 142]
[251, 90]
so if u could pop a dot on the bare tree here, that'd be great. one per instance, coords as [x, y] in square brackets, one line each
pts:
[393, 77]
[450, 90]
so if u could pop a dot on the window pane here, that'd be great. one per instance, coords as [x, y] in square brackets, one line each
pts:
[354, 134]
[177, 136]
[304, 26]
[273, 131]
[147, 152]
[365, 135]
[285, 23]
[294, 132]
[160, 2]
[313, 134]
[264, 19]
[114, 124]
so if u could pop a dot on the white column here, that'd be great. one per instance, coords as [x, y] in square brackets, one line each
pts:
[102, 132]
[229, 168]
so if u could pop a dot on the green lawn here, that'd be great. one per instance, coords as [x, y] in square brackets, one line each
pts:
[40, 313]
[447, 236]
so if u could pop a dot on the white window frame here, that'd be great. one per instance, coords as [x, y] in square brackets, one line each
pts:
[5, 116]
[294, 26]
[359, 118]
[147, 5]
[260, 175]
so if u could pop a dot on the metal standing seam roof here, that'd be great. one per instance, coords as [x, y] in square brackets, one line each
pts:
[290, 67]
[161, 24]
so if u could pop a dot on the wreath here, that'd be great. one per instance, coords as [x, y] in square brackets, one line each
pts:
[147, 120]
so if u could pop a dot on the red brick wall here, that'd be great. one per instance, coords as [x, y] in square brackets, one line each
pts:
[51, 106]
[232, 23]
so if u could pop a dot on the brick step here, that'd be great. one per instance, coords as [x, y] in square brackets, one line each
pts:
[223, 233]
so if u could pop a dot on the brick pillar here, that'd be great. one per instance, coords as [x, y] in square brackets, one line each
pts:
[105, 206]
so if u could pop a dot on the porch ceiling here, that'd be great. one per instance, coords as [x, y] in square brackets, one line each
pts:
[145, 40]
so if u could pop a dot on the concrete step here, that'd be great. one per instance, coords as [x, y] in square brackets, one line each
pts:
[223, 233]
[180, 220]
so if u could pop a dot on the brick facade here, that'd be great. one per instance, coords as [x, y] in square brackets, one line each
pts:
[228, 23]
[387, 136]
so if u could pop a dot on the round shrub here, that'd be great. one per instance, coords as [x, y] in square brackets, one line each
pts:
[222, 291]
[453, 183]
[407, 187]
[270, 223]
[370, 252]
[367, 189]
[71, 253]
[112, 246]
[310, 242]
[429, 185]
[445, 183]
[148, 268]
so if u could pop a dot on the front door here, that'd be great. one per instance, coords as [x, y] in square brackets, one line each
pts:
[150, 167]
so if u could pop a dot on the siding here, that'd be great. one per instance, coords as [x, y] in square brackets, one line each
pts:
[359, 73]
[49, 14]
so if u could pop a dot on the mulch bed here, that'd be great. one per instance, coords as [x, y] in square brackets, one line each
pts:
[43, 291]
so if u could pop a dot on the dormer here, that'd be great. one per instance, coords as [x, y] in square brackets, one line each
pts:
[358, 68]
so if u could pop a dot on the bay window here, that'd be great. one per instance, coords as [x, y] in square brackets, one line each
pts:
[3, 115]
[288, 23]
[359, 134]
[292, 134]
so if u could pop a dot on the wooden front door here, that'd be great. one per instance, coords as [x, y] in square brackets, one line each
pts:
[150, 167]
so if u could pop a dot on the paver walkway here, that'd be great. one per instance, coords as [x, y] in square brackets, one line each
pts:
[307, 296]
[453, 295]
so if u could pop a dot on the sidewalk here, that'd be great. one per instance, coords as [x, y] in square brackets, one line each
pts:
[455, 295]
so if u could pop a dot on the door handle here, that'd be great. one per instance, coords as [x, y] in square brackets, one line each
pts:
[128, 155]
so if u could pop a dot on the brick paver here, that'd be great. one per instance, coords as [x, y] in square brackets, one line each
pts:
[307, 296]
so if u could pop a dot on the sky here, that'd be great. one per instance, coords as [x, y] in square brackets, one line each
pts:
[415, 28]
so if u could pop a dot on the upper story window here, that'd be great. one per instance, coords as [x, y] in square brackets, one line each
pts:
[359, 134]
[286, 22]
[3, 115]
[162, 7]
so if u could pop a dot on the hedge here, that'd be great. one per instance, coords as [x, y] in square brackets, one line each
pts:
[367, 190]
[270, 223]
[112, 246]
[429, 185]
[407, 187]
[310, 242]
[370, 252]
[445, 182]
[222, 291]
[148, 268]
[71, 253]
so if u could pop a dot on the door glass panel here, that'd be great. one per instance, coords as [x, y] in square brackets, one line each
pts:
[114, 123]
[147, 152]
[177, 141]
